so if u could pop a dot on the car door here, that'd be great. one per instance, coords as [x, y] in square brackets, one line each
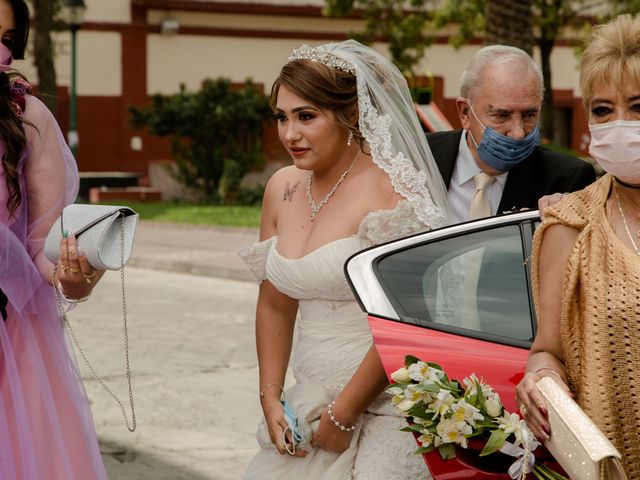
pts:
[458, 296]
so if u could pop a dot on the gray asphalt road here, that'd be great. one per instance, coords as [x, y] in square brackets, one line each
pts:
[195, 374]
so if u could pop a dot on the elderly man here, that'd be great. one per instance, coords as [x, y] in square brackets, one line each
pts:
[495, 164]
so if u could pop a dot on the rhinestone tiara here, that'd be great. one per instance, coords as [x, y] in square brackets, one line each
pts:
[305, 52]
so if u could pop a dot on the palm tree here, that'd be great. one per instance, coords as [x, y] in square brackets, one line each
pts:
[43, 22]
[509, 23]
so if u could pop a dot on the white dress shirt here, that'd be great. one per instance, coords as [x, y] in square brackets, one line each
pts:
[462, 185]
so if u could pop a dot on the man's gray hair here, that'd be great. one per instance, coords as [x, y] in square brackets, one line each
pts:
[494, 55]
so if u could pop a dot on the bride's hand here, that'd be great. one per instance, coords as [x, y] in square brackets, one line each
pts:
[329, 437]
[276, 424]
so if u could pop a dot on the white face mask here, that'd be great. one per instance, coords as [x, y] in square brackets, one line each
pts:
[616, 147]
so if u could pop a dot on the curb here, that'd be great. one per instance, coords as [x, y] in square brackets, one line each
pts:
[190, 268]
[203, 250]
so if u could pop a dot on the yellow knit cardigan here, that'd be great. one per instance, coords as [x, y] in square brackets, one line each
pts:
[600, 318]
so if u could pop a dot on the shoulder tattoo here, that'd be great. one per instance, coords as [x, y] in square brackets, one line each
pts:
[289, 191]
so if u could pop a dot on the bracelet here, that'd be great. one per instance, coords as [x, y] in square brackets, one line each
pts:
[336, 422]
[551, 370]
[58, 287]
[76, 300]
[268, 387]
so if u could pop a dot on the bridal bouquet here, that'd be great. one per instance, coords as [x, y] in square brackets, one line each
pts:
[445, 413]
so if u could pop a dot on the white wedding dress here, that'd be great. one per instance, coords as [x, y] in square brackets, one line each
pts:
[332, 338]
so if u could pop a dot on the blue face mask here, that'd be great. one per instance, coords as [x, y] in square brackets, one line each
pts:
[292, 442]
[502, 153]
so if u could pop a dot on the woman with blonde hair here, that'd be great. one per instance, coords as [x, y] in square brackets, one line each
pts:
[586, 260]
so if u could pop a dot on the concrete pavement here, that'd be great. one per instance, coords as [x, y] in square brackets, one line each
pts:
[191, 304]
[195, 375]
[199, 250]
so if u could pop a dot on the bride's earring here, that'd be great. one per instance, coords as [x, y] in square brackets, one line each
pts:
[349, 138]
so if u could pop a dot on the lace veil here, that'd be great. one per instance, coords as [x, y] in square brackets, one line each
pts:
[389, 124]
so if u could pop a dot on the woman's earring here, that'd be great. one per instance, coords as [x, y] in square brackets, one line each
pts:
[349, 138]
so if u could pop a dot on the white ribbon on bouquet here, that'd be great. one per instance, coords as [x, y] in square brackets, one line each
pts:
[525, 457]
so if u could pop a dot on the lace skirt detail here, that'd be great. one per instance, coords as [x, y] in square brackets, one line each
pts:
[384, 452]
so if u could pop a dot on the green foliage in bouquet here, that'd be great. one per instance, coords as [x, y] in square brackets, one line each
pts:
[446, 413]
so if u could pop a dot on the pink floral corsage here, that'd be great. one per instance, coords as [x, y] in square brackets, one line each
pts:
[18, 91]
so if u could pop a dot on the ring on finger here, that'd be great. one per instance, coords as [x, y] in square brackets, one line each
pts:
[74, 270]
[523, 410]
[72, 253]
[88, 277]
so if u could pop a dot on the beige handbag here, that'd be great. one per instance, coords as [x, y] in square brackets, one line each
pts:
[576, 442]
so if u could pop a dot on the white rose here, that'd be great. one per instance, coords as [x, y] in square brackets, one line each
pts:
[395, 391]
[401, 375]
[405, 405]
[493, 407]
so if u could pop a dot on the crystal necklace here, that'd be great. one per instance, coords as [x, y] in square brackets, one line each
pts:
[624, 221]
[315, 207]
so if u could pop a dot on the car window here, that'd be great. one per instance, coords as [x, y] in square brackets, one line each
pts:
[474, 283]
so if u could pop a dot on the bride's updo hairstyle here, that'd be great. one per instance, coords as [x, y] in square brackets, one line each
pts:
[324, 87]
[369, 97]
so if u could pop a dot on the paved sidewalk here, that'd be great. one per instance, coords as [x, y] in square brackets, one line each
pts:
[199, 250]
[191, 328]
[195, 374]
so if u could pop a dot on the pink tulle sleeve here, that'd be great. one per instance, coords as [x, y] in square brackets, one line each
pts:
[51, 177]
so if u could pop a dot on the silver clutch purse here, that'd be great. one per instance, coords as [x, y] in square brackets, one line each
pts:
[104, 233]
[576, 442]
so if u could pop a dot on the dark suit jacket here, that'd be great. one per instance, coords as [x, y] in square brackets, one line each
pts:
[542, 173]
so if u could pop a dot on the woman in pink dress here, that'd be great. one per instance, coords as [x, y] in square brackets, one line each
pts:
[46, 429]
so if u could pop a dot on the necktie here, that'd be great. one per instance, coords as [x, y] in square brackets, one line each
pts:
[480, 206]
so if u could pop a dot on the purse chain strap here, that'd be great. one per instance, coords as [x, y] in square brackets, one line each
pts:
[130, 426]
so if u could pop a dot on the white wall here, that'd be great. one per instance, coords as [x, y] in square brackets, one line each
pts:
[99, 62]
[108, 11]
[176, 59]
[190, 59]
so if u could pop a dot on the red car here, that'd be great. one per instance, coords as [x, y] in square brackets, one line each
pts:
[460, 297]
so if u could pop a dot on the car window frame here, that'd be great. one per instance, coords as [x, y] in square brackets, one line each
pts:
[526, 226]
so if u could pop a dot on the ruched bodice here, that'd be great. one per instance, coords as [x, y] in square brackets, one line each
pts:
[333, 333]
[317, 275]
[333, 337]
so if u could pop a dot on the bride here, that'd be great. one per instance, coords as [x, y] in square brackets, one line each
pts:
[362, 174]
